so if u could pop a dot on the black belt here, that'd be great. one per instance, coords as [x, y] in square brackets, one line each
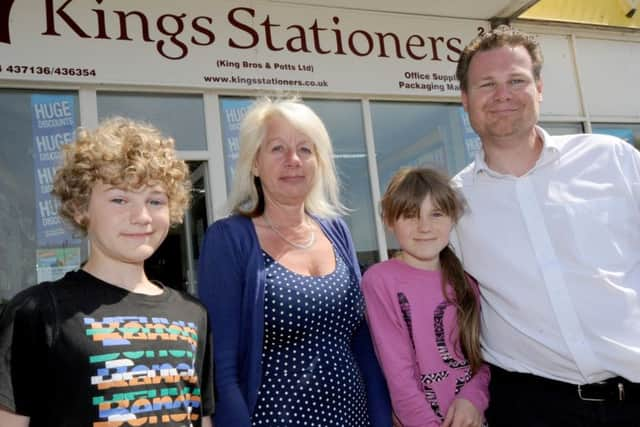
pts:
[610, 390]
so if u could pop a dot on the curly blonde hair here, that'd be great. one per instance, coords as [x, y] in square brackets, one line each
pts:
[123, 153]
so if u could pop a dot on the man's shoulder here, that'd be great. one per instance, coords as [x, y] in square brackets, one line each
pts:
[462, 178]
[588, 142]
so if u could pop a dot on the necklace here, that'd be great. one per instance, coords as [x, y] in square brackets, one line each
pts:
[305, 245]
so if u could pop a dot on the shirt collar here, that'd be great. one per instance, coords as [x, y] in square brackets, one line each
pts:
[549, 147]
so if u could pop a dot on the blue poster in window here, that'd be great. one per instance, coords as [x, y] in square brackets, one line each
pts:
[53, 119]
[232, 111]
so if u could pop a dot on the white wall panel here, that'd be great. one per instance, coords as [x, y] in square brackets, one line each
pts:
[610, 72]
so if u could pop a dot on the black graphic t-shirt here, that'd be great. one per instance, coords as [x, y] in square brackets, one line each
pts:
[81, 352]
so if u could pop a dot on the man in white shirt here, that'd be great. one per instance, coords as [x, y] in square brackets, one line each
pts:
[552, 234]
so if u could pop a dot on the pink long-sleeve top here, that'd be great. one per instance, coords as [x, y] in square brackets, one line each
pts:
[415, 335]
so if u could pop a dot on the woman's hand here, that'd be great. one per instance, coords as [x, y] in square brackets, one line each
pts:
[462, 413]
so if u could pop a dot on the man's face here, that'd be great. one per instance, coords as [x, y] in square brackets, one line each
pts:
[502, 96]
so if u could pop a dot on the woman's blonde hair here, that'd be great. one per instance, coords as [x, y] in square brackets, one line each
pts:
[402, 199]
[246, 197]
[123, 153]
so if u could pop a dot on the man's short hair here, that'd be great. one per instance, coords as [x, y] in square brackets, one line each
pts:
[500, 36]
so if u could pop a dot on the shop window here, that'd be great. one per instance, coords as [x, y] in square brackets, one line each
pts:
[179, 116]
[345, 124]
[350, 157]
[419, 134]
[630, 132]
[35, 245]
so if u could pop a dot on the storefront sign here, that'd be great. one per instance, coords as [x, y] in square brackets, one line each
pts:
[224, 44]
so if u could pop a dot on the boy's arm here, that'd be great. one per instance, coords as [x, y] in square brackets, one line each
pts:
[24, 346]
[207, 389]
[9, 419]
[396, 354]
[220, 286]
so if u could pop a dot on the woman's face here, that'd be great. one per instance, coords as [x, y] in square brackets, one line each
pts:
[286, 163]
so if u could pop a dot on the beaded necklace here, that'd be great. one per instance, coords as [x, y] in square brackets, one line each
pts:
[305, 245]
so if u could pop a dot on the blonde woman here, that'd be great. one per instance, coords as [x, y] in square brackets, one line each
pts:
[281, 280]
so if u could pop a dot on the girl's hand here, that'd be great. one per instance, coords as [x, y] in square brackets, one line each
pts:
[462, 413]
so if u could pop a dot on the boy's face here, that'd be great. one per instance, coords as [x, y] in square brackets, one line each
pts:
[126, 226]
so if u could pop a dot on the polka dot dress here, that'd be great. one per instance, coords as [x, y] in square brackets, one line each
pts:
[309, 374]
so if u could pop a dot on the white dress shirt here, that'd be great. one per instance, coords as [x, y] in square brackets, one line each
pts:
[557, 255]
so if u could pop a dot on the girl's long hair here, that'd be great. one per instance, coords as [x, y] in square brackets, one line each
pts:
[404, 195]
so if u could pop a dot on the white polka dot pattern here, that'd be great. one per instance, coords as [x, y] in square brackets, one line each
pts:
[309, 374]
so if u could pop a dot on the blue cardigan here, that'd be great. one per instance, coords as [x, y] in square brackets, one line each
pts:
[231, 282]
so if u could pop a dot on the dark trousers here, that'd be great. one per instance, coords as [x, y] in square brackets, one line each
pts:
[523, 400]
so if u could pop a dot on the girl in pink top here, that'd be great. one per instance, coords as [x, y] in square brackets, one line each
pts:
[423, 309]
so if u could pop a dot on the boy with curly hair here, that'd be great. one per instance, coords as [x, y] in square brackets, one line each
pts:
[104, 346]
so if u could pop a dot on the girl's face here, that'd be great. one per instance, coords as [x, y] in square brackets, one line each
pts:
[423, 238]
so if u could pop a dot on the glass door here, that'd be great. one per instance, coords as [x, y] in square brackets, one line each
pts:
[175, 263]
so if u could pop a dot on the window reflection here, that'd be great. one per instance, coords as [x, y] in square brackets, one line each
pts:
[35, 245]
[345, 124]
[176, 115]
[417, 134]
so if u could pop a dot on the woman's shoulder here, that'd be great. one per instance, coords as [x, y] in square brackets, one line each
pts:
[234, 220]
[234, 233]
[336, 227]
[333, 222]
[233, 224]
